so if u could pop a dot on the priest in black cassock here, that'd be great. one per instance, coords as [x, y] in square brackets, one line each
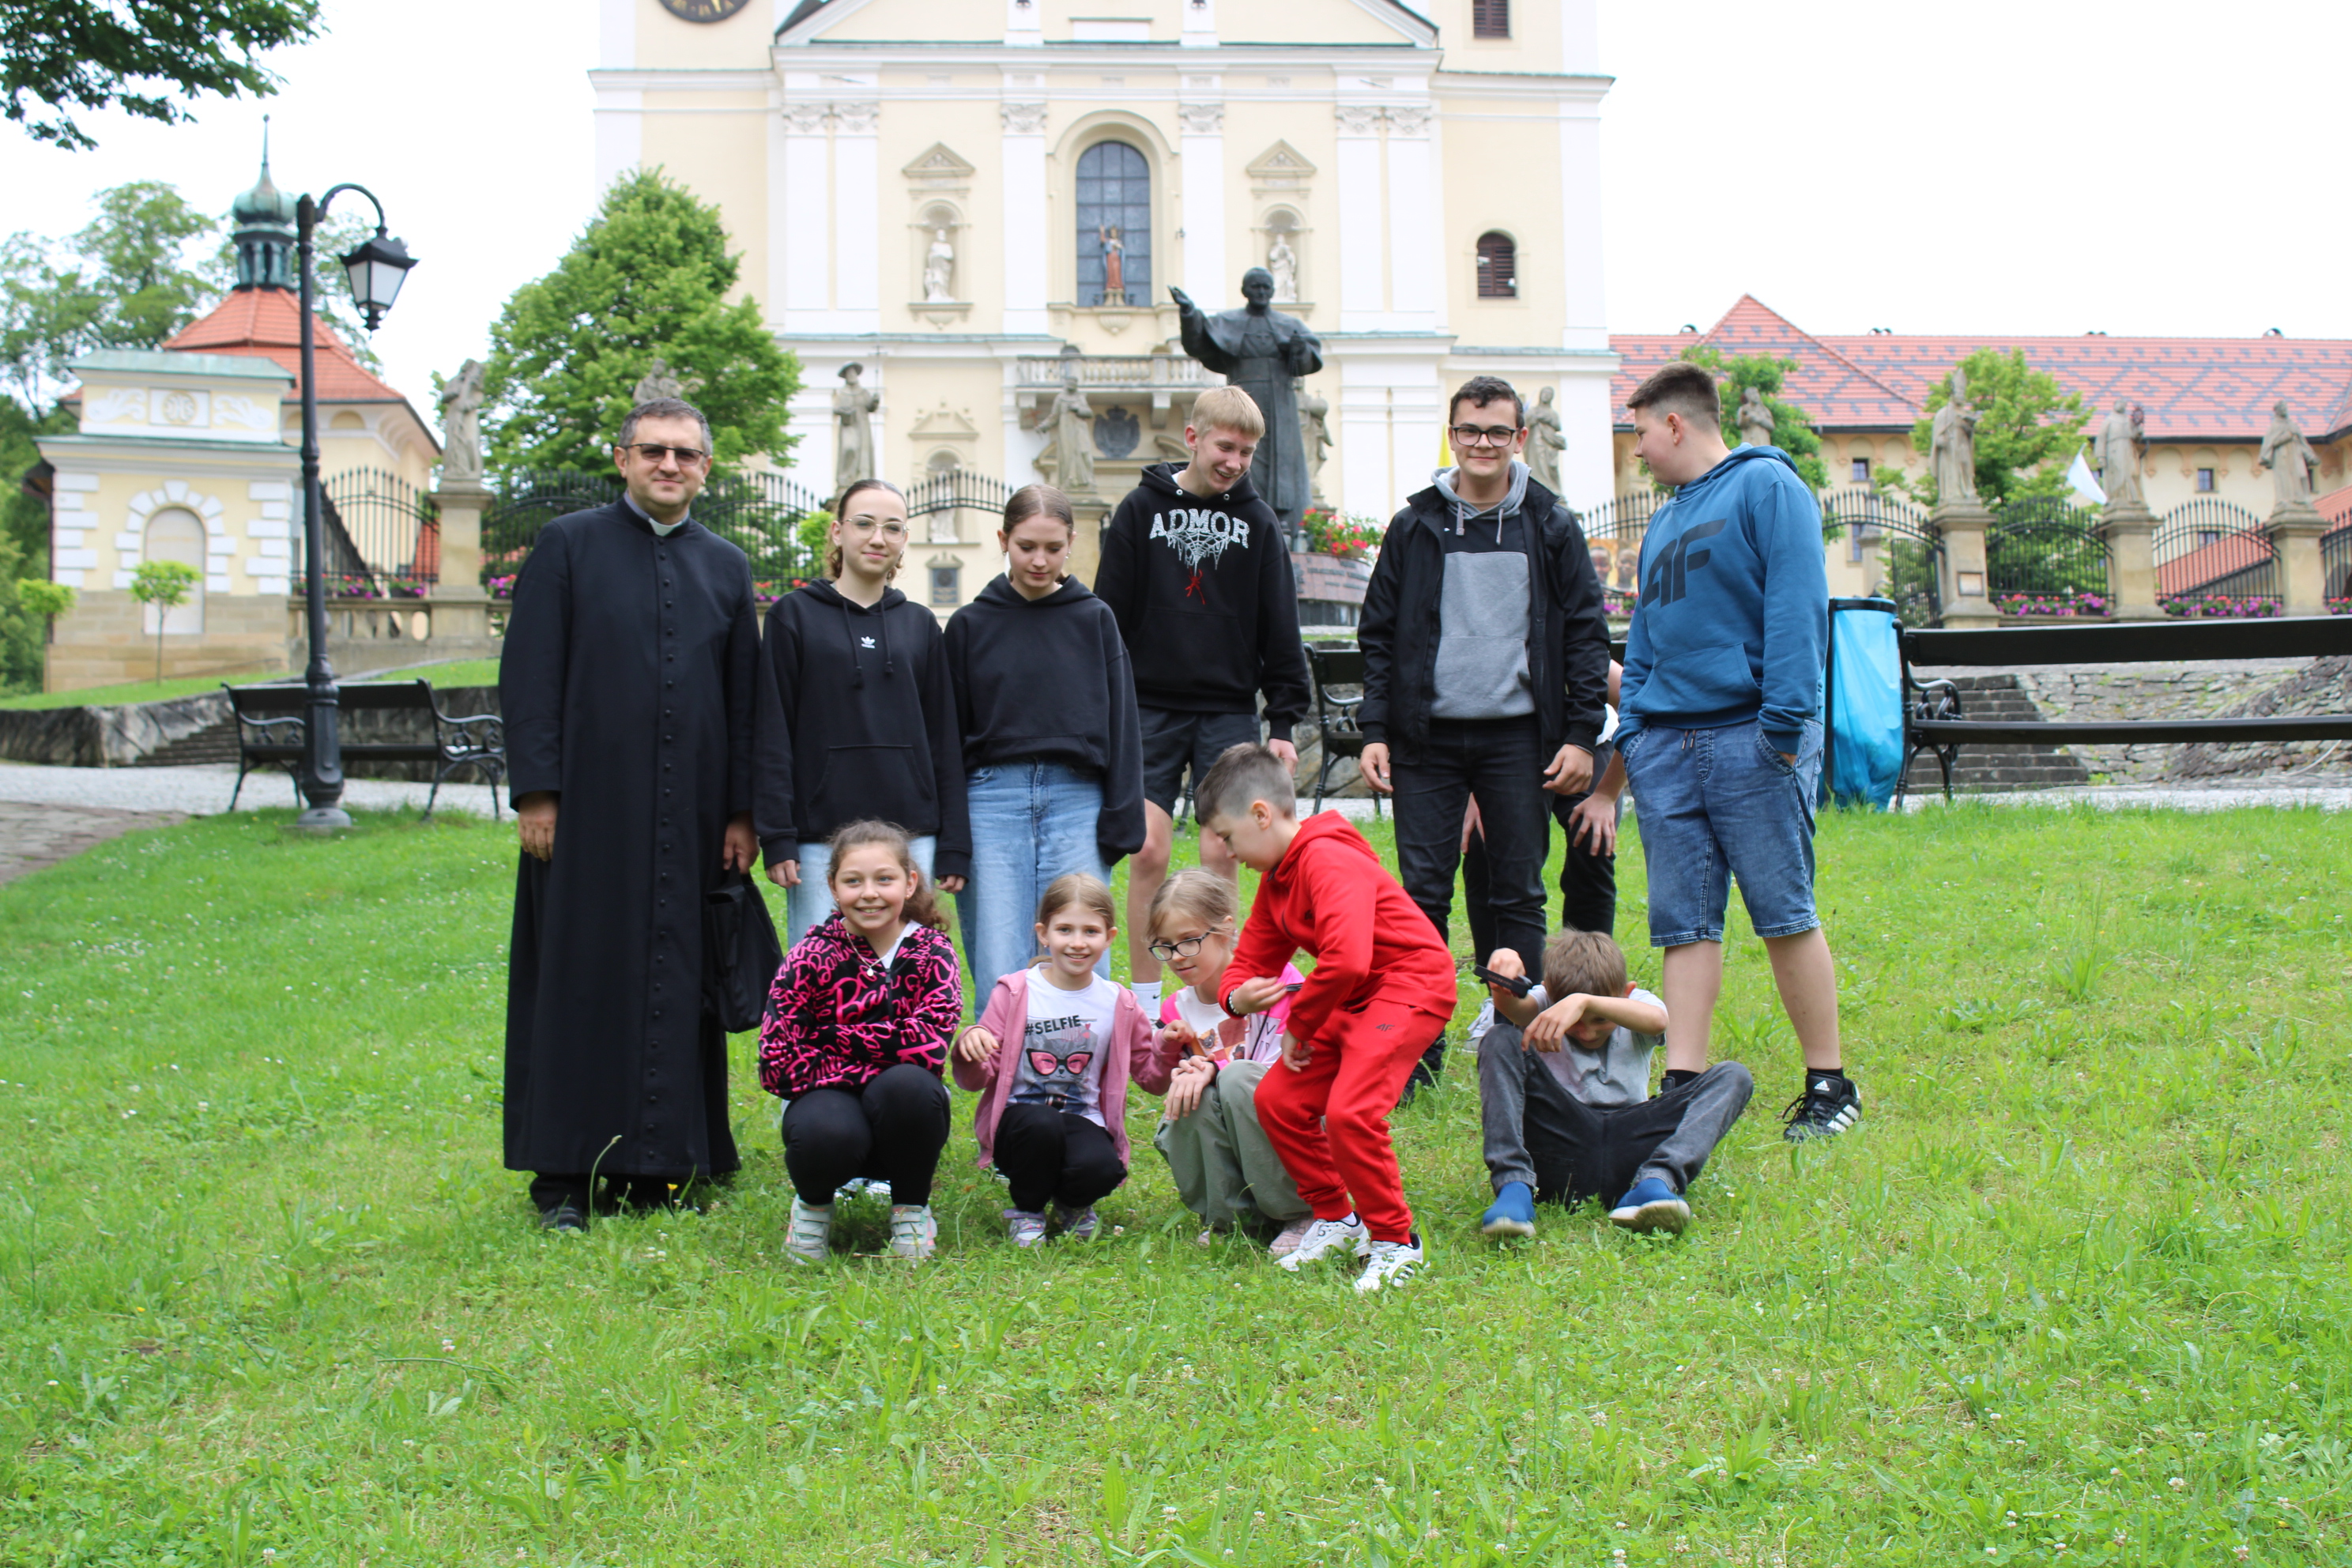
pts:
[626, 684]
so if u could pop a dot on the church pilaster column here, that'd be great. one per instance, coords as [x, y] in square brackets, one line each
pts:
[801, 273]
[1363, 240]
[1024, 215]
[1202, 146]
[1416, 221]
[858, 216]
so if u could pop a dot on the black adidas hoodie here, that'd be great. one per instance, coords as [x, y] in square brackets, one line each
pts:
[857, 719]
[1047, 680]
[1202, 590]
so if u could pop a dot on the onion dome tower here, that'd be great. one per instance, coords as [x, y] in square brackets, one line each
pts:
[261, 223]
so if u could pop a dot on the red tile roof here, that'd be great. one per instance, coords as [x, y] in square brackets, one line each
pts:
[266, 323]
[2195, 389]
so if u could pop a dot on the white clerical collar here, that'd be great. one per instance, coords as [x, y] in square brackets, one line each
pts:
[661, 530]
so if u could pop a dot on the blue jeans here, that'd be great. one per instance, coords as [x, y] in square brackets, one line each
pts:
[1031, 822]
[810, 904]
[1718, 804]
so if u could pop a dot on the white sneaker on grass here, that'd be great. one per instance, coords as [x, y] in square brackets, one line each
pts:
[1325, 1237]
[1286, 1240]
[809, 1237]
[1391, 1263]
[914, 1233]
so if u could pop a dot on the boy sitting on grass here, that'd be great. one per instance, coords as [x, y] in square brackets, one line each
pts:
[1563, 1094]
[1381, 991]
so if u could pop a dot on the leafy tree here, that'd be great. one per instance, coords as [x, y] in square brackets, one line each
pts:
[133, 55]
[162, 584]
[24, 542]
[122, 281]
[649, 277]
[1792, 428]
[2028, 431]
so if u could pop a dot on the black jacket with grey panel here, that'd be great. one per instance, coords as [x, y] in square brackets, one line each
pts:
[1567, 632]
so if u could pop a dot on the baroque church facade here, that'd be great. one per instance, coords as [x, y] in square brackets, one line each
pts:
[973, 201]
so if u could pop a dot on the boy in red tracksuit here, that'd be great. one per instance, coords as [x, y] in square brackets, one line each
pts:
[1382, 990]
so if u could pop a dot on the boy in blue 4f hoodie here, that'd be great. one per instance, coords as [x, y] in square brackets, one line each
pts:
[1721, 731]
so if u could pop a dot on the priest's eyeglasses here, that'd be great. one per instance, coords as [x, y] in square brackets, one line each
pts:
[1183, 948]
[1472, 436]
[891, 530]
[688, 456]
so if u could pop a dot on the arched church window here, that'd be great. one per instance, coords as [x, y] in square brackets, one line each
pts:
[1114, 226]
[1499, 267]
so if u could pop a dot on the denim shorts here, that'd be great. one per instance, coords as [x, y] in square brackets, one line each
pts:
[1718, 804]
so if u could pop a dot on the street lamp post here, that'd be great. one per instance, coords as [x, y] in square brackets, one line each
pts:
[376, 269]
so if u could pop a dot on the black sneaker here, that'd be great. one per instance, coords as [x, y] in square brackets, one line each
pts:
[564, 1217]
[1829, 1106]
[1425, 1072]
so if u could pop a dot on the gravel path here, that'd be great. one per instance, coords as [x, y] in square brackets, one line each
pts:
[203, 790]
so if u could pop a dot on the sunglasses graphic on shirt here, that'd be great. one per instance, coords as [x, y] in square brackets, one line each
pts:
[1045, 1064]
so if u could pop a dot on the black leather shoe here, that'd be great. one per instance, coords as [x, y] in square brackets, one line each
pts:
[564, 1217]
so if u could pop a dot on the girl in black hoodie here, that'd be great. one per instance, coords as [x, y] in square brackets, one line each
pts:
[1045, 704]
[856, 715]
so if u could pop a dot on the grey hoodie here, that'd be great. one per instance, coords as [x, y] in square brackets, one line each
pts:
[1482, 618]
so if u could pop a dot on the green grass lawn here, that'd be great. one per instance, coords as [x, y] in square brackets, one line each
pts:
[456, 672]
[2079, 1278]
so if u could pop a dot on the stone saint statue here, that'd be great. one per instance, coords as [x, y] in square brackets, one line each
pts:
[1263, 352]
[1545, 441]
[852, 437]
[461, 424]
[2290, 459]
[1114, 269]
[2119, 457]
[656, 383]
[1952, 444]
[1754, 419]
[1069, 422]
[938, 269]
[1313, 428]
[1283, 262]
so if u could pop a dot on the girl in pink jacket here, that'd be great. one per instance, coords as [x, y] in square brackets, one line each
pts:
[1051, 1057]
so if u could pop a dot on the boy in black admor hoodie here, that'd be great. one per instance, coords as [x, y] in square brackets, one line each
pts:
[1196, 570]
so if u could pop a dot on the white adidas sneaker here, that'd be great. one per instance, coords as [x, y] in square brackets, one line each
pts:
[809, 1237]
[1391, 1263]
[1325, 1237]
[914, 1232]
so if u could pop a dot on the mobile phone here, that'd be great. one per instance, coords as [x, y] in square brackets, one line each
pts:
[1294, 987]
[1517, 984]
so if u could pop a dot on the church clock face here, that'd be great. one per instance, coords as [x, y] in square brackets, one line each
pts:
[703, 10]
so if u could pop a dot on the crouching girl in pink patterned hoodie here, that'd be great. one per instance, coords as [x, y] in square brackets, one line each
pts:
[856, 1041]
[1051, 1057]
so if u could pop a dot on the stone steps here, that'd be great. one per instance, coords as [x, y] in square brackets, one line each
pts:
[214, 743]
[1983, 768]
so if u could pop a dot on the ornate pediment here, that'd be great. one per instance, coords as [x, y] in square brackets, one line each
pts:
[939, 170]
[1280, 167]
[944, 424]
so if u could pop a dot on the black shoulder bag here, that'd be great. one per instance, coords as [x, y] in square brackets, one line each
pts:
[740, 953]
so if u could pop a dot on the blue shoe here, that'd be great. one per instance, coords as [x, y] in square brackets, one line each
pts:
[1512, 1213]
[1651, 1204]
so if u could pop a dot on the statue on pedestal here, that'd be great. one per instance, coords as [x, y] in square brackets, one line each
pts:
[852, 437]
[1313, 429]
[1264, 352]
[1754, 418]
[1069, 424]
[938, 269]
[2120, 445]
[1545, 442]
[2290, 461]
[1114, 251]
[1952, 444]
[461, 425]
[656, 383]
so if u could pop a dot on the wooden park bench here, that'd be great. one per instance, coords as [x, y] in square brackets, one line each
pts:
[1933, 722]
[271, 732]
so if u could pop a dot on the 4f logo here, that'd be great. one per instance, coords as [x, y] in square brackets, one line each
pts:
[1670, 575]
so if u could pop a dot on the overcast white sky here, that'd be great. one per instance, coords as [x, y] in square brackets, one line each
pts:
[2043, 167]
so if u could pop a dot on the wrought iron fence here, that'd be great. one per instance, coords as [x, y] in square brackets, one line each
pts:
[390, 525]
[1614, 530]
[1910, 556]
[2210, 553]
[2043, 556]
[2335, 567]
[349, 572]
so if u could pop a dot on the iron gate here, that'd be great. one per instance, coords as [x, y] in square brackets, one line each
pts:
[2214, 558]
[2045, 556]
[389, 525]
[1911, 557]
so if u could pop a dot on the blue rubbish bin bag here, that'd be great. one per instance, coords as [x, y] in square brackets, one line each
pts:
[1865, 703]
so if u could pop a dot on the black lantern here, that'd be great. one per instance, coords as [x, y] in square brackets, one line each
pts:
[377, 269]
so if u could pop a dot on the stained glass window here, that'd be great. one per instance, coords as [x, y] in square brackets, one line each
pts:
[1114, 209]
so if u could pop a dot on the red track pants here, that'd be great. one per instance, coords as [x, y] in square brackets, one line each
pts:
[1331, 1122]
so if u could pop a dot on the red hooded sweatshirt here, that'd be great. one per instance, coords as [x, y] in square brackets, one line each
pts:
[1330, 896]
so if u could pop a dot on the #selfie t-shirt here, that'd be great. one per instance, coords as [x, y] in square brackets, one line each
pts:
[1063, 1044]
